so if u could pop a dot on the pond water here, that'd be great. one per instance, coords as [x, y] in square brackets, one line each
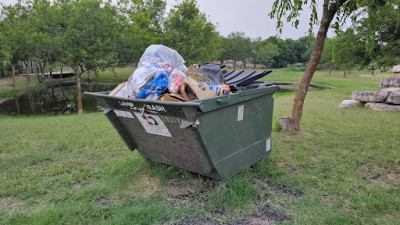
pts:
[61, 99]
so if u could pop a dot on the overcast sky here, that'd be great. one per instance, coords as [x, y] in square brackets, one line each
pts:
[250, 16]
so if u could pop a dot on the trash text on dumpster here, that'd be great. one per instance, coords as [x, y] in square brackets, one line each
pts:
[158, 108]
[128, 104]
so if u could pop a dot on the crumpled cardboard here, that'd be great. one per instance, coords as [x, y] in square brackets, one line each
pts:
[201, 91]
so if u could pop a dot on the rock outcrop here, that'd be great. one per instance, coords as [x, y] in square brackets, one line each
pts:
[383, 107]
[390, 82]
[350, 103]
[370, 96]
[385, 99]
[394, 98]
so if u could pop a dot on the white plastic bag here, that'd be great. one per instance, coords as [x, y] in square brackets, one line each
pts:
[163, 55]
[175, 80]
[142, 75]
[156, 60]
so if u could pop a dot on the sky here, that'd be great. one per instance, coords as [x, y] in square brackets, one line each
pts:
[250, 17]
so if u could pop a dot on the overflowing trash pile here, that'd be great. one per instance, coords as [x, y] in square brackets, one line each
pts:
[162, 75]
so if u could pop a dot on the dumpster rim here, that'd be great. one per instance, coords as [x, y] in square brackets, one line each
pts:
[104, 94]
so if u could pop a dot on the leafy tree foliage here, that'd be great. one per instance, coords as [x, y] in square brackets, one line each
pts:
[237, 47]
[188, 31]
[141, 25]
[264, 52]
[291, 9]
[88, 39]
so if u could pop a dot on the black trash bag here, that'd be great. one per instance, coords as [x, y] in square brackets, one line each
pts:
[213, 72]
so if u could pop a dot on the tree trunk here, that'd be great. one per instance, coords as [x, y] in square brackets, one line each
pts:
[28, 72]
[327, 16]
[44, 68]
[89, 76]
[2, 68]
[234, 64]
[90, 80]
[13, 75]
[17, 106]
[254, 66]
[330, 70]
[31, 102]
[344, 73]
[78, 89]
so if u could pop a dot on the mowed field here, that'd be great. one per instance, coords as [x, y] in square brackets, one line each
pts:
[342, 168]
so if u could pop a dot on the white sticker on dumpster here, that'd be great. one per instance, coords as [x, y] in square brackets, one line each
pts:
[123, 114]
[268, 144]
[153, 124]
[240, 112]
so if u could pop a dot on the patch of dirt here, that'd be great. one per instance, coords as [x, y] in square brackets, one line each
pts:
[181, 192]
[287, 165]
[146, 184]
[197, 220]
[266, 185]
[381, 176]
[394, 174]
[10, 204]
[264, 216]
[81, 184]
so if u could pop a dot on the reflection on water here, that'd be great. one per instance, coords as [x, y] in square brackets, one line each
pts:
[53, 100]
[61, 98]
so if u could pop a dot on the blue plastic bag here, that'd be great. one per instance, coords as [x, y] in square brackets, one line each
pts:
[155, 86]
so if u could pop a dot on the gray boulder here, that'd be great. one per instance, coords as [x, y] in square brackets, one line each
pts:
[396, 69]
[390, 82]
[370, 96]
[383, 107]
[394, 98]
[390, 89]
[349, 103]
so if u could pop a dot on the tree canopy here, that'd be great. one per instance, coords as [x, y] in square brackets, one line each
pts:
[341, 9]
[189, 32]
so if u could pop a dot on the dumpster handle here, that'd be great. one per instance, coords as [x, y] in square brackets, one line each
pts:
[224, 99]
[142, 109]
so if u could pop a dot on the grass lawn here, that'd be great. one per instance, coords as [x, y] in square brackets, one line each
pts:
[342, 168]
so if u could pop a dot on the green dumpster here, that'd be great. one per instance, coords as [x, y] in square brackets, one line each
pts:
[215, 137]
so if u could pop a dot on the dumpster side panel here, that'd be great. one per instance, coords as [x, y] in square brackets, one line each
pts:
[126, 136]
[161, 138]
[236, 136]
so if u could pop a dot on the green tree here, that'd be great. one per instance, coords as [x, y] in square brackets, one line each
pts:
[4, 50]
[141, 25]
[349, 50]
[238, 47]
[265, 53]
[328, 55]
[17, 28]
[188, 31]
[301, 46]
[386, 49]
[291, 9]
[44, 33]
[255, 46]
[87, 40]
[286, 54]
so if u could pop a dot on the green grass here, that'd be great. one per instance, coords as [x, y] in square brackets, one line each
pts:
[342, 168]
